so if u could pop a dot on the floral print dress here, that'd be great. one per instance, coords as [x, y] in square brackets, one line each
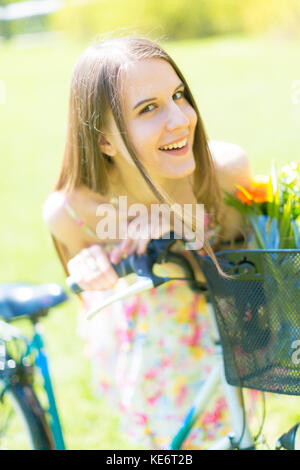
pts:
[150, 355]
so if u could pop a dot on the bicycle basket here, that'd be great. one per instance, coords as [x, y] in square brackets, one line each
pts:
[258, 317]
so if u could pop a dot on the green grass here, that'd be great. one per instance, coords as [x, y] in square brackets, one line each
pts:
[244, 90]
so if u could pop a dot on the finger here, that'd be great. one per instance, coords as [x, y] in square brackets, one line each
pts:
[131, 247]
[86, 267]
[116, 255]
[87, 271]
[103, 262]
[126, 245]
[105, 276]
[77, 269]
[126, 248]
[82, 269]
[142, 246]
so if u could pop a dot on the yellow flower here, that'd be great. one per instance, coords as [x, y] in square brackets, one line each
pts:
[258, 191]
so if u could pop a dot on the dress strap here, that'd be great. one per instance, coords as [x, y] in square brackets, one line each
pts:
[77, 220]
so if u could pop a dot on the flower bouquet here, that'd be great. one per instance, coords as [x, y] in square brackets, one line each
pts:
[271, 206]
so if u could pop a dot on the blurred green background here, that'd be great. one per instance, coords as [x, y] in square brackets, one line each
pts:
[242, 62]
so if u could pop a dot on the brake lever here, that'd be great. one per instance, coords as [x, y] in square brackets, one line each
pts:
[142, 284]
[142, 265]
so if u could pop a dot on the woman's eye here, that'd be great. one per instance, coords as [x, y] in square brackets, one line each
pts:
[147, 108]
[150, 107]
[178, 95]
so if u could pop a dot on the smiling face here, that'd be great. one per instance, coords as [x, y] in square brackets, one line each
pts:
[159, 120]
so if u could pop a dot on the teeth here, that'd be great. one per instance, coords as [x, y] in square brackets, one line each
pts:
[178, 145]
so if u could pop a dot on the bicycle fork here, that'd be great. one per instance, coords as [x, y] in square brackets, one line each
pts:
[42, 363]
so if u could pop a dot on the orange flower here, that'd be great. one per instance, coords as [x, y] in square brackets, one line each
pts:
[258, 190]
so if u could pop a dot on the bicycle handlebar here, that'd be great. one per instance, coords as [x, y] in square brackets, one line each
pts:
[125, 267]
[158, 251]
[142, 265]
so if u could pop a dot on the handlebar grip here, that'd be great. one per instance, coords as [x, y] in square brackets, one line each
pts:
[73, 286]
[123, 268]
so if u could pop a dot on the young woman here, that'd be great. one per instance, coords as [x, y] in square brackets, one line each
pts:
[134, 130]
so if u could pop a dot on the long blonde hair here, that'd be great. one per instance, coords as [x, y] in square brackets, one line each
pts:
[95, 89]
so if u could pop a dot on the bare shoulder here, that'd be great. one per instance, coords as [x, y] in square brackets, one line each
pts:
[53, 209]
[62, 225]
[232, 164]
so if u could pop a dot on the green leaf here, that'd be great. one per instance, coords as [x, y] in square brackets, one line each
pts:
[285, 225]
[233, 201]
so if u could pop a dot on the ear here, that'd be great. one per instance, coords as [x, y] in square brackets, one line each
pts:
[106, 146]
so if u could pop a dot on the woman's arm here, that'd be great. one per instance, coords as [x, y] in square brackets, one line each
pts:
[86, 259]
[233, 167]
[62, 226]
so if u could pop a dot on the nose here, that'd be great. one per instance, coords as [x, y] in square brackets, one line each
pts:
[177, 119]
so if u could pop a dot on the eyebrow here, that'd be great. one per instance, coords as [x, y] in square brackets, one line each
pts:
[146, 100]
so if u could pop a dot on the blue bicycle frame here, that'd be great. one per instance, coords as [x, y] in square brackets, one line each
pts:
[37, 348]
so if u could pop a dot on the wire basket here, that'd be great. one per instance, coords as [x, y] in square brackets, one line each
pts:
[258, 317]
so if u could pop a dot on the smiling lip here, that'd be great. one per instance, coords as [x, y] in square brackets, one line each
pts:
[178, 152]
[174, 141]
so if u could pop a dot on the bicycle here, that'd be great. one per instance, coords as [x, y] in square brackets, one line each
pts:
[255, 337]
[263, 365]
[23, 416]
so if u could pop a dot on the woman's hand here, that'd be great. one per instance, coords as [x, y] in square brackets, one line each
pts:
[139, 232]
[91, 269]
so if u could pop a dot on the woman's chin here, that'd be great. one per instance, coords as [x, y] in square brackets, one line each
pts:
[180, 171]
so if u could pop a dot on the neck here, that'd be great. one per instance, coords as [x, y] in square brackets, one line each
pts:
[136, 188]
